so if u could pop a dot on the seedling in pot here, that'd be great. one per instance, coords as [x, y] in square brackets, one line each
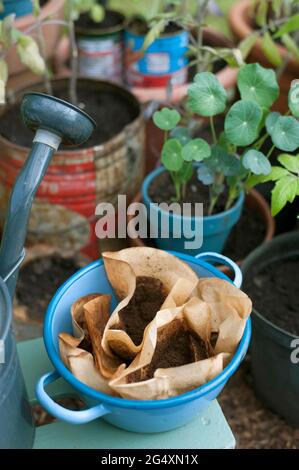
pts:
[233, 161]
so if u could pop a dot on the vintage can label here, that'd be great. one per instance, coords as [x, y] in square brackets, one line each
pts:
[165, 60]
[101, 57]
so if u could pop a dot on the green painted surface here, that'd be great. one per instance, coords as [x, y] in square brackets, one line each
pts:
[210, 431]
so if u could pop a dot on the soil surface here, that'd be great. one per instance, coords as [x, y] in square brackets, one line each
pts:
[162, 190]
[39, 280]
[176, 346]
[246, 235]
[274, 293]
[111, 19]
[139, 26]
[148, 297]
[111, 111]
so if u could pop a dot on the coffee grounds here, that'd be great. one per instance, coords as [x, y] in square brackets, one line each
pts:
[148, 297]
[176, 346]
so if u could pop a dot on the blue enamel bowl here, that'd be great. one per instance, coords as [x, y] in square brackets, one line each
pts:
[132, 415]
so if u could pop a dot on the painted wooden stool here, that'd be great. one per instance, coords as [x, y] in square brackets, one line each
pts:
[210, 431]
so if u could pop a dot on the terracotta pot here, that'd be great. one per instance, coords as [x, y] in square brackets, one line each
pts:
[241, 25]
[53, 9]
[254, 201]
[25, 325]
[63, 213]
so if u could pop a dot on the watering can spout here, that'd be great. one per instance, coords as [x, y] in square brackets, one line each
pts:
[54, 121]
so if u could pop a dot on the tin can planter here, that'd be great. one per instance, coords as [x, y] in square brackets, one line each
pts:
[100, 47]
[63, 212]
[18, 7]
[274, 350]
[162, 62]
[215, 228]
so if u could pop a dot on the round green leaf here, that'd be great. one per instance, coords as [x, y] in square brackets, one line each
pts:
[271, 121]
[256, 162]
[294, 98]
[206, 96]
[285, 134]
[241, 123]
[172, 155]
[166, 119]
[258, 84]
[181, 133]
[196, 150]
[223, 162]
[186, 172]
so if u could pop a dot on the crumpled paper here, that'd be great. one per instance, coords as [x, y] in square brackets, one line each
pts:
[207, 316]
[124, 269]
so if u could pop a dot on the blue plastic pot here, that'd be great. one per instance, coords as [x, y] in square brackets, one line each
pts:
[18, 7]
[215, 228]
[132, 415]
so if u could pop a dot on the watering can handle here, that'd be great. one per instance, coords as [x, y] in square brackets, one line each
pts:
[70, 416]
[211, 256]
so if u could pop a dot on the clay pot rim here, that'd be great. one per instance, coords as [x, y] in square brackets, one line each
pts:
[264, 211]
[238, 18]
[74, 151]
[24, 22]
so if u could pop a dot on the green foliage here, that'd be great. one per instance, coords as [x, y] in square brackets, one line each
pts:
[196, 150]
[242, 121]
[206, 96]
[285, 134]
[166, 119]
[235, 160]
[256, 162]
[258, 84]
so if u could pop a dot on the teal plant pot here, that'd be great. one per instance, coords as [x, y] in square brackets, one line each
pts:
[18, 7]
[215, 229]
[275, 375]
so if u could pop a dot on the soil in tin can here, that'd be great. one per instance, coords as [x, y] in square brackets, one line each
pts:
[39, 280]
[274, 293]
[111, 111]
[111, 19]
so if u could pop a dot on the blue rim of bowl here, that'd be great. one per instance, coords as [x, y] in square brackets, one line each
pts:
[194, 394]
[147, 200]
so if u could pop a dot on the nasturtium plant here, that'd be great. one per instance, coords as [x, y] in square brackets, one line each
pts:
[242, 121]
[207, 97]
[255, 83]
[233, 158]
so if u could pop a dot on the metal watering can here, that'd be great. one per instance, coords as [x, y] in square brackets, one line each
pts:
[54, 121]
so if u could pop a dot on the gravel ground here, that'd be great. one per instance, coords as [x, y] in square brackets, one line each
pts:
[254, 426]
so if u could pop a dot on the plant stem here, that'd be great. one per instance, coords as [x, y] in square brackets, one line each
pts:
[74, 63]
[176, 186]
[201, 12]
[213, 130]
[261, 140]
[270, 151]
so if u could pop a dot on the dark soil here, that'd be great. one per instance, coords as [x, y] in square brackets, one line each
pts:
[39, 280]
[246, 235]
[139, 26]
[148, 297]
[274, 292]
[111, 19]
[176, 346]
[111, 111]
[162, 190]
